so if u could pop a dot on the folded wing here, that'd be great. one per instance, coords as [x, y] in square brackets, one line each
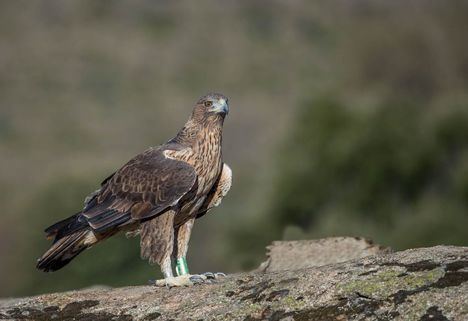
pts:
[147, 185]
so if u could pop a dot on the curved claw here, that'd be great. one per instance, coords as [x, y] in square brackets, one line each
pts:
[214, 276]
[220, 275]
[197, 279]
[209, 275]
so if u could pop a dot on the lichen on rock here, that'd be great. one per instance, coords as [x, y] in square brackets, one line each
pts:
[417, 284]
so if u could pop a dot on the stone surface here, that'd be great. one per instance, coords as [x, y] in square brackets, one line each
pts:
[418, 284]
[295, 255]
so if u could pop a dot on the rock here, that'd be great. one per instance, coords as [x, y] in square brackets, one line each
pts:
[295, 255]
[418, 284]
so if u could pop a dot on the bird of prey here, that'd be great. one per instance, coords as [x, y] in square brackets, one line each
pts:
[158, 194]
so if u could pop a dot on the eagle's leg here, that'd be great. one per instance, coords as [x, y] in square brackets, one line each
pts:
[180, 280]
[166, 268]
[182, 237]
[169, 279]
[157, 245]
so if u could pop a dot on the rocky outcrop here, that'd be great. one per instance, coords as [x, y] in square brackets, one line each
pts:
[295, 255]
[418, 284]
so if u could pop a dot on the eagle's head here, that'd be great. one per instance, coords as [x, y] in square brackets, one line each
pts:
[207, 118]
[213, 104]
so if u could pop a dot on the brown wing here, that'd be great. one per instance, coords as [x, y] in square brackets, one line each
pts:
[147, 185]
[218, 191]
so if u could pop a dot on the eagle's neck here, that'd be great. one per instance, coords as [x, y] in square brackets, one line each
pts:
[200, 131]
[203, 139]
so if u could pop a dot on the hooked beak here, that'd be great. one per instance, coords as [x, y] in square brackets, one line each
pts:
[221, 106]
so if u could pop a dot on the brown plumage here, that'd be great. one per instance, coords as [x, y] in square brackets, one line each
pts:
[158, 194]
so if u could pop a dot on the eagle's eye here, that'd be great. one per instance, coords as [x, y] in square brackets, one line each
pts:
[208, 103]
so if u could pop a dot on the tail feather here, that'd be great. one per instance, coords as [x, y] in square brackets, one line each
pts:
[64, 227]
[65, 249]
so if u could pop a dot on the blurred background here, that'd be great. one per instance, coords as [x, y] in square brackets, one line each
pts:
[347, 118]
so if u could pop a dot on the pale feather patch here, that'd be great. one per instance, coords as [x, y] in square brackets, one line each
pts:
[169, 154]
[134, 233]
[180, 155]
[90, 197]
[90, 238]
[225, 184]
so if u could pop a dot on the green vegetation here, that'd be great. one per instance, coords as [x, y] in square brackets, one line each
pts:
[396, 174]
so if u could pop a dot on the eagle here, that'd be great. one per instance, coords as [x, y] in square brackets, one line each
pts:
[158, 195]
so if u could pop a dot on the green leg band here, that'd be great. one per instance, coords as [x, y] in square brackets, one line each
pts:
[181, 266]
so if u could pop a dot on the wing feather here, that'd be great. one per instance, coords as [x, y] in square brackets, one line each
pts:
[146, 186]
